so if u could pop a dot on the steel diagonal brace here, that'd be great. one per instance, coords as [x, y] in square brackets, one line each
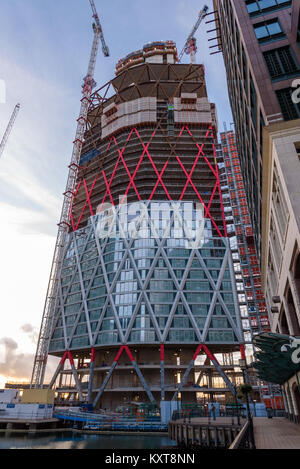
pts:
[115, 169]
[127, 170]
[198, 195]
[59, 367]
[201, 148]
[215, 363]
[106, 379]
[87, 201]
[159, 175]
[182, 383]
[91, 375]
[113, 366]
[222, 374]
[139, 373]
[68, 355]
[139, 162]
[75, 374]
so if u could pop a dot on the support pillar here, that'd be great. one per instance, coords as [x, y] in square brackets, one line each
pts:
[162, 371]
[214, 362]
[68, 355]
[91, 376]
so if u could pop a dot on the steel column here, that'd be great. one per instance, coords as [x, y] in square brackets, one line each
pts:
[75, 374]
[162, 371]
[91, 375]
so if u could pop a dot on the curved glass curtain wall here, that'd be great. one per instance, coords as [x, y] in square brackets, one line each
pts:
[151, 289]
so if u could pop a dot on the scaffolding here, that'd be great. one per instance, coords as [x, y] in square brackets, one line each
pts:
[245, 257]
[52, 296]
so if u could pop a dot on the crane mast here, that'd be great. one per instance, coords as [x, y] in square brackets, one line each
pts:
[190, 46]
[8, 128]
[105, 49]
[41, 356]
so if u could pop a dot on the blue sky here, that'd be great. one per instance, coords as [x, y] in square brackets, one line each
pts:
[45, 47]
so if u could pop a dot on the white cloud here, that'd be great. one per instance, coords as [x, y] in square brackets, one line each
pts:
[18, 365]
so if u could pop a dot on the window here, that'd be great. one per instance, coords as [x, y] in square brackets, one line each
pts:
[268, 30]
[279, 204]
[289, 109]
[256, 7]
[280, 62]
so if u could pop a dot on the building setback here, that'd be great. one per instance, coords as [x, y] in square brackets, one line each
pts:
[260, 44]
[147, 310]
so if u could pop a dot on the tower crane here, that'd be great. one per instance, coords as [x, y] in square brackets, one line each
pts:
[190, 46]
[41, 356]
[105, 49]
[9, 127]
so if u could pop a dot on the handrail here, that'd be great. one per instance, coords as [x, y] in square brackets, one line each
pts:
[241, 437]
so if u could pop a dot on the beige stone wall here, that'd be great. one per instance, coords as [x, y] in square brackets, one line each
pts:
[281, 224]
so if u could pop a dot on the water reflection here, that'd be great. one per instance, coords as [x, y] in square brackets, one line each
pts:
[78, 441]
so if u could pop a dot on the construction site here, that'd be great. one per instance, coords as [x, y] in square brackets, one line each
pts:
[145, 318]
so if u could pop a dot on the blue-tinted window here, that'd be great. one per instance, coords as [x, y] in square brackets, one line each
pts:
[256, 7]
[268, 30]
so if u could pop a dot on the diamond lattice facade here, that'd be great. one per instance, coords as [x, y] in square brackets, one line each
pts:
[146, 302]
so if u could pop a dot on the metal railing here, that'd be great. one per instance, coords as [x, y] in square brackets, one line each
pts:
[92, 421]
[242, 440]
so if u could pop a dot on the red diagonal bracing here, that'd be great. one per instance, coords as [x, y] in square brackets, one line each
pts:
[108, 185]
[199, 196]
[71, 205]
[87, 202]
[145, 147]
[159, 175]
[215, 173]
[127, 170]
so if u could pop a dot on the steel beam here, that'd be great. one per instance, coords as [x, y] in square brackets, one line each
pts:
[91, 376]
[162, 371]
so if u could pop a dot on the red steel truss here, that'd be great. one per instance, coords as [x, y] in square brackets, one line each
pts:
[103, 179]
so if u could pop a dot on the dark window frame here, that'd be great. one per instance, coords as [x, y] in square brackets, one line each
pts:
[289, 110]
[263, 11]
[270, 37]
[281, 58]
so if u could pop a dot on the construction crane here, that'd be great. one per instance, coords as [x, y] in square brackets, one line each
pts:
[8, 128]
[105, 49]
[190, 46]
[41, 356]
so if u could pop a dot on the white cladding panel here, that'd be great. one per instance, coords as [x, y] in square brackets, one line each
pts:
[8, 395]
[128, 114]
[26, 411]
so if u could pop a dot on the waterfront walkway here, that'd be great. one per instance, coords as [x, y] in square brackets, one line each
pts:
[276, 433]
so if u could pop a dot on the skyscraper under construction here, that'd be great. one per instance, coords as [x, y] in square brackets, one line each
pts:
[145, 305]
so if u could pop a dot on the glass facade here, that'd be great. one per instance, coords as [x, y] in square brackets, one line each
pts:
[145, 290]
